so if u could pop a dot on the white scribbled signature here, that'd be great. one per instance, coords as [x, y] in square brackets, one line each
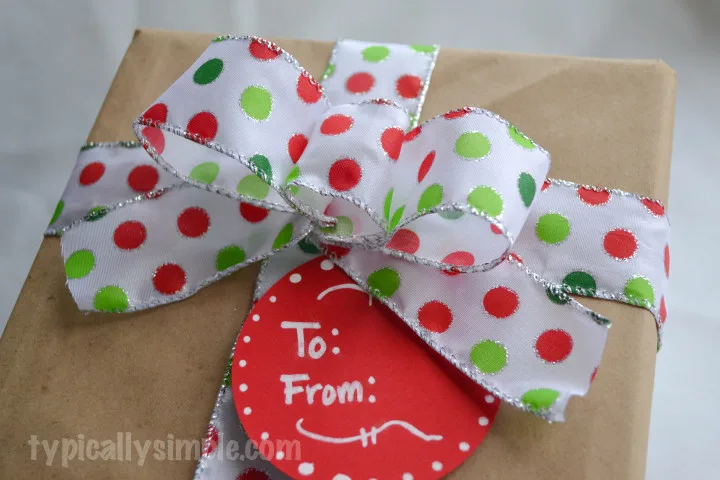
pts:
[364, 435]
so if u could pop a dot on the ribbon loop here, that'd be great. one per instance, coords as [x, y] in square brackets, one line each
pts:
[238, 99]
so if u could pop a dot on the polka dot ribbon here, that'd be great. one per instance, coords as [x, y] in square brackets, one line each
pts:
[452, 224]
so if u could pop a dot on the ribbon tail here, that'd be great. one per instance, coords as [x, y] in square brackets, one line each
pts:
[507, 330]
[615, 246]
[164, 249]
[106, 176]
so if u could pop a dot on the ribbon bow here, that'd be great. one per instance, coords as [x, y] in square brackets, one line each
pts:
[259, 161]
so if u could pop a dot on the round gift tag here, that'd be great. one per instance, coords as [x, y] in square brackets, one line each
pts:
[331, 384]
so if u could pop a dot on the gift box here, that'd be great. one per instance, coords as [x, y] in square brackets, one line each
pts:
[154, 374]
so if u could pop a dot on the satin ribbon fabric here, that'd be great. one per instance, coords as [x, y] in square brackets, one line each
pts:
[452, 224]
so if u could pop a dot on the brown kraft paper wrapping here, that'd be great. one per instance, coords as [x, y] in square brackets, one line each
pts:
[157, 372]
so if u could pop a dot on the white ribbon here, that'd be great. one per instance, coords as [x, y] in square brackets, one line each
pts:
[425, 220]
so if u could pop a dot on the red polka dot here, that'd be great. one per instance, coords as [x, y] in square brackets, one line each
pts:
[620, 244]
[501, 302]
[459, 258]
[156, 139]
[405, 240]
[193, 222]
[663, 310]
[156, 113]
[211, 440]
[435, 316]
[546, 184]
[594, 374]
[334, 251]
[91, 173]
[204, 125]
[344, 174]
[130, 235]
[554, 346]
[253, 214]
[655, 207]
[495, 229]
[143, 178]
[515, 257]
[296, 146]
[593, 197]
[667, 261]
[360, 82]
[169, 279]
[425, 166]
[392, 140]
[263, 51]
[308, 89]
[253, 474]
[457, 113]
[412, 134]
[409, 86]
[336, 124]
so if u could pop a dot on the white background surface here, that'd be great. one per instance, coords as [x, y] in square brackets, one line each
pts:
[57, 58]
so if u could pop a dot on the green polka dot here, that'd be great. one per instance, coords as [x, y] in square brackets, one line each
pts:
[254, 187]
[640, 289]
[284, 236]
[208, 72]
[111, 299]
[229, 256]
[388, 204]
[540, 398]
[472, 145]
[343, 227]
[79, 264]
[397, 217]
[58, 211]
[329, 70]
[580, 280]
[96, 213]
[526, 186]
[262, 163]
[413, 120]
[488, 356]
[292, 176]
[308, 247]
[451, 214]
[384, 282]
[205, 172]
[486, 200]
[552, 228]
[376, 53]
[431, 197]
[561, 298]
[520, 138]
[423, 48]
[256, 102]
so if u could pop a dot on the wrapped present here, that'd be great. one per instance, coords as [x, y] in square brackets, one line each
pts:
[416, 274]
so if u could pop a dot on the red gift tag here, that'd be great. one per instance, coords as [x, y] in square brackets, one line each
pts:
[331, 384]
